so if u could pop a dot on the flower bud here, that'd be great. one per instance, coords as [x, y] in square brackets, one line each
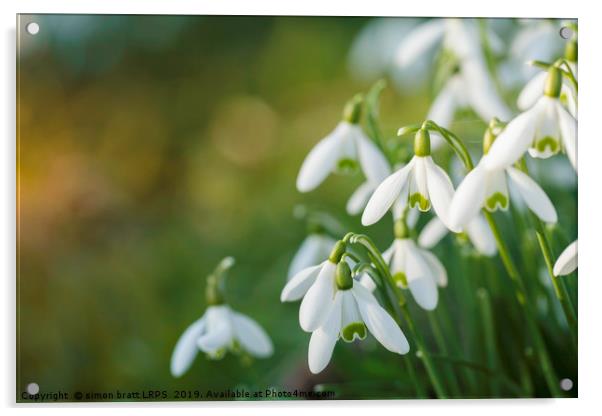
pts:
[343, 276]
[422, 143]
[337, 252]
[353, 109]
[553, 82]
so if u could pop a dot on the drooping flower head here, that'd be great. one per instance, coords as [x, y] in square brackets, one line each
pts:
[486, 187]
[415, 268]
[350, 314]
[421, 183]
[544, 130]
[468, 84]
[342, 150]
[219, 330]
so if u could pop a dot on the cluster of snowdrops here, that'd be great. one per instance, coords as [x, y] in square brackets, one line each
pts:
[348, 288]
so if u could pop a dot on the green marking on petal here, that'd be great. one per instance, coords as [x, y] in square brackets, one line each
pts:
[217, 354]
[495, 201]
[347, 166]
[547, 142]
[400, 279]
[353, 331]
[420, 201]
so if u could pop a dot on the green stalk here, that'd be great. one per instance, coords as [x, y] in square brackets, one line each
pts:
[521, 295]
[559, 288]
[440, 340]
[515, 277]
[383, 269]
[420, 393]
[489, 335]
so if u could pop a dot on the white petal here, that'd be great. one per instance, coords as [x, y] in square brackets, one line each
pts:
[309, 254]
[350, 315]
[417, 182]
[419, 41]
[313, 308]
[535, 198]
[469, 198]
[432, 233]
[396, 260]
[379, 322]
[441, 191]
[251, 336]
[321, 160]
[481, 236]
[385, 195]
[546, 127]
[437, 269]
[532, 91]
[568, 130]
[567, 261]
[215, 338]
[388, 253]
[366, 281]
[445, 104]
[514, 141]
[359, 198]
[186, 348]
[482, 93]
[323, 339]
[300, 284]
[374, 164]
[421, 280]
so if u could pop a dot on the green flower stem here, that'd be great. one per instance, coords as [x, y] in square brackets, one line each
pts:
[521, 295]
[570, 74]
[559, 288]
[511, 385]
[420, 393]
[515, 277]
[454, 141]
[383, 269]
[489, 336]
[424, 356]
[441, 345]
[372, 114]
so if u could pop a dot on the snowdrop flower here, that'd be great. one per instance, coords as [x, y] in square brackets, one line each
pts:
[457, 35]
[346, 145]
[567, 261]
[220, 329]
[543, 130]
[532, 90]
[314, 250]
[415, 268]
[486, 187]
[470, 85]
[421, 182]
[315, 285]
[477, 230]
[349, 315]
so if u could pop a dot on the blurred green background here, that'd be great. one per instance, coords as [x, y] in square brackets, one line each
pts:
[150, 147]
